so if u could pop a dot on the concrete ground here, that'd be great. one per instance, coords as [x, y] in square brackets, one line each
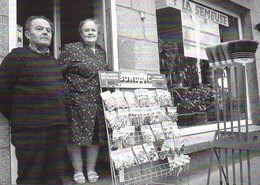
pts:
[201, 177]
[198, 173]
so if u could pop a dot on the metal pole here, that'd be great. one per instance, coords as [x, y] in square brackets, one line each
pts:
[221, 167]
[224, 121]
[218, 122]
[239, 125]
[224, 102]
[230, 97]
[237, 100]
[230, 92]
[247, 129]
[217, 119]
[246, 100]
[211, 160]
[216, 99]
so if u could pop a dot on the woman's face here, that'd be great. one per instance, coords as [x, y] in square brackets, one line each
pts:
[89, 32]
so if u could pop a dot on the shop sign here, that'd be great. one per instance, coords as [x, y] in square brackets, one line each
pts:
[131, 80]
[198, 33]
[199, 10]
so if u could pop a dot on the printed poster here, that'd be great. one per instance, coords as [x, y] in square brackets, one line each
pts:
[198, 33]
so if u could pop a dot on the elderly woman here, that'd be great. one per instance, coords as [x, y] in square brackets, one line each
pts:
[81, 62]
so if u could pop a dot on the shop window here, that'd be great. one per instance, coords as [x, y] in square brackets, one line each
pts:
[186, 67]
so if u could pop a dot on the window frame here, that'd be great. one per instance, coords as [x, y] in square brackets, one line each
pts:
[221, 10]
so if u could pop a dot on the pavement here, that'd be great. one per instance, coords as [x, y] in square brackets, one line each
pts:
[198, 172]
[200, 178]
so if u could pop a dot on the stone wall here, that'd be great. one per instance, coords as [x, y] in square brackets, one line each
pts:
[249, 19]
[137, 35]
[5, 159]
[138, 40]
[3, 28]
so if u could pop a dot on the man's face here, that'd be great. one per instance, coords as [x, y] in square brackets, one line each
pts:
[40, 33]
[89, 32]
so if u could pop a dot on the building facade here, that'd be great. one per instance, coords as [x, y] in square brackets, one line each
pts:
[131, 33]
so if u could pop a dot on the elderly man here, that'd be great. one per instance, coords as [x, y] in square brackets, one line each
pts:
[32, 99]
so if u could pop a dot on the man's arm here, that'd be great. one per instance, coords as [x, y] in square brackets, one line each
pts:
[8, 74]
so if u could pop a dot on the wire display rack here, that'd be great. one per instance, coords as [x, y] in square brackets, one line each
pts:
[146, 175]
[151, 174]
[152, 171]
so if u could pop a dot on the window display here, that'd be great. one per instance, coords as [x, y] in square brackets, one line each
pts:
[184, 31]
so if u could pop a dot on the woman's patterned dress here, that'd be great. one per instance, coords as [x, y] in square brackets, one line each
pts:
[84, 106]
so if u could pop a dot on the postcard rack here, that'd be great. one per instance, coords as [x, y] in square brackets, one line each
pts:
[143, 139]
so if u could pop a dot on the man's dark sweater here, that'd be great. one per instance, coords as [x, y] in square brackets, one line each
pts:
[31, 89]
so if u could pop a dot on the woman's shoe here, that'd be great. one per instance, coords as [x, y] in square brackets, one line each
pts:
[79, 178]
[92, 177]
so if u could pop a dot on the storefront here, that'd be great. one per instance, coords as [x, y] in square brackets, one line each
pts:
[185, 29]
[133, 32]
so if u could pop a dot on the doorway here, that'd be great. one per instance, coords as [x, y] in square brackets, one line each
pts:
[65, 14]
[27, 8]
[70, 17]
